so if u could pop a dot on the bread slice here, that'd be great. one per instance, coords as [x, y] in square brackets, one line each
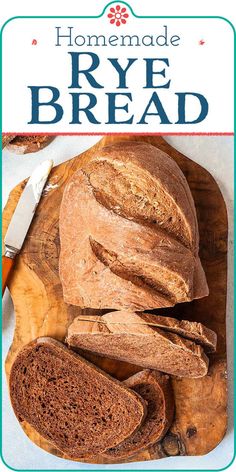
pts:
[155, 388]
[26, 144]
[71, 403]
[192, 330]
[128, 337]
[6, 139]
[129, 233]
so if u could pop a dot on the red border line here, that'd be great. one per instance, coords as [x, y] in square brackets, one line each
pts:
[212, 133]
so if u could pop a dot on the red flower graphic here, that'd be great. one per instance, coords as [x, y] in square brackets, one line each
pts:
[118, 15]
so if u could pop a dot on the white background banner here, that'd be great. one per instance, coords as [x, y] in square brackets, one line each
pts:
[180, 79]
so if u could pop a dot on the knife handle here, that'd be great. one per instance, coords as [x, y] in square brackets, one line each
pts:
[7, 264]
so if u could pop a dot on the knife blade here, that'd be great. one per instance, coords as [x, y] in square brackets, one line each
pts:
[22, 217]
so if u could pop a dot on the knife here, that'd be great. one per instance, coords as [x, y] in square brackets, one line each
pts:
[22, 217]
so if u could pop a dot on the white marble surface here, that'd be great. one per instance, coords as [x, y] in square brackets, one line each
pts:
[215, 154]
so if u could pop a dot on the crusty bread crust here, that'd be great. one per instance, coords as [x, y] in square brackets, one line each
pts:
[122, 166]
[156, 390]
[71, 403]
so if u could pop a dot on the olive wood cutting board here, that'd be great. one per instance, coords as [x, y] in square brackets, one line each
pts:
[200, 418]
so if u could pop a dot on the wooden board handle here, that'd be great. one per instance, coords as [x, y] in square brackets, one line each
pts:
[7, 264]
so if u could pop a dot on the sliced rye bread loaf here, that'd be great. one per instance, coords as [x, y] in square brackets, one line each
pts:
[77, 407]
[26, 144]
[155, 388]
[127, 336]
[129, 232]
[6, 139]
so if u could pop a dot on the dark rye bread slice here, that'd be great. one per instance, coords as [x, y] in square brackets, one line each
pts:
[70, 402]
[122, 336]
[26, 144]
[155, 388]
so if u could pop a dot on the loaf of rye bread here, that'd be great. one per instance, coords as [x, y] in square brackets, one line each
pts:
[26, 144]
[129, 232]
[154, 342]
[155, 388]
[77, 407]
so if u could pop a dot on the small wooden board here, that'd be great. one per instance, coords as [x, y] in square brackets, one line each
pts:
[200, 419]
